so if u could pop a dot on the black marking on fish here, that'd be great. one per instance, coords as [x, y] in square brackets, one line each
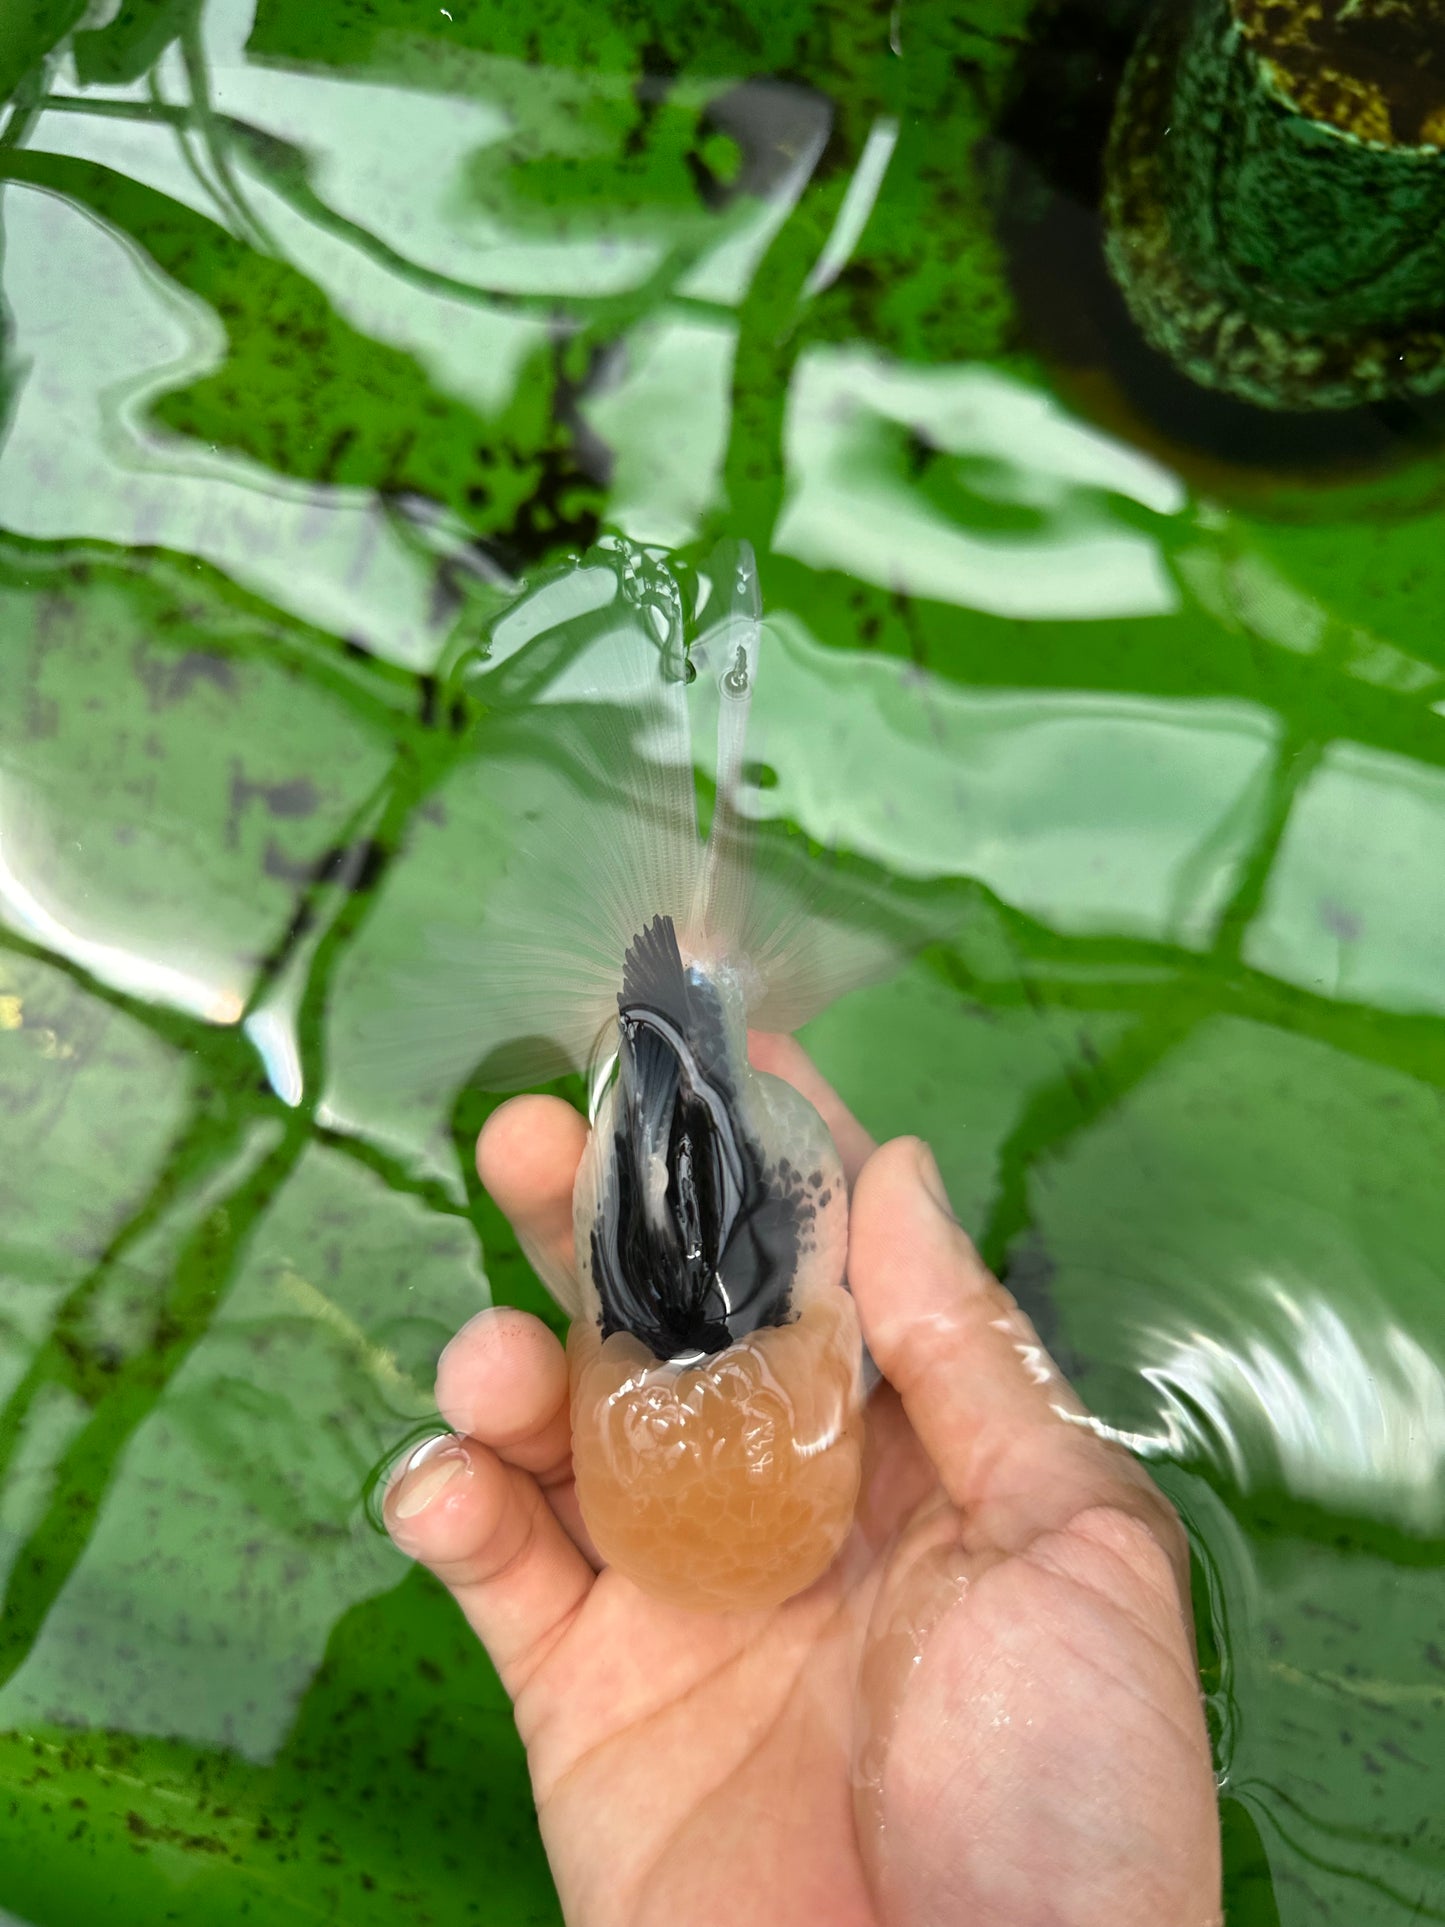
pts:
[695, 1242]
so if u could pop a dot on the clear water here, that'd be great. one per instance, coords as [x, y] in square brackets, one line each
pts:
[321, 324]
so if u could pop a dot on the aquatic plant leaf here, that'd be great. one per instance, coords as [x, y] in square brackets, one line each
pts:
[83, 1087]
[303, 394]
[131, 41]
[162, 832]
[385, 33]
[29, 30]
[308, 1360]
[402, 1701]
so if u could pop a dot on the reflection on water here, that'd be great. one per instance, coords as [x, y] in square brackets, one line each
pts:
[1355, 903]
[1355, 1419]
[322, 327]
[963, 486]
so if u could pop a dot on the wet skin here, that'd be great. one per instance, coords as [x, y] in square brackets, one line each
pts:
[985, 1714]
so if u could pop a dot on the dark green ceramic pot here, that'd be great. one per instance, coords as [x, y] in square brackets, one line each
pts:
[1275, 197]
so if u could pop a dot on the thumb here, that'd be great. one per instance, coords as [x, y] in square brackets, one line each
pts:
[1011, 1441]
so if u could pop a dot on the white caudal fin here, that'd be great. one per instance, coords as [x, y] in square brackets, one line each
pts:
[601, 684]
[725, 657]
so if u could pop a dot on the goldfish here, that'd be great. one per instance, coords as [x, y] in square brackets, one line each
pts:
[716, 1369]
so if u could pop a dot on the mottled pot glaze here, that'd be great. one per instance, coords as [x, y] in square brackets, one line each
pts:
[1275, 197]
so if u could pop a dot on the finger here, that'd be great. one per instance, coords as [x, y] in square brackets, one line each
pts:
[503, 1381]
[1009, 1437]
[783, 1056]
[527, 1157]
[486, 1531]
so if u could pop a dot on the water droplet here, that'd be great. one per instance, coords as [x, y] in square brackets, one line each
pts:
[735, 680]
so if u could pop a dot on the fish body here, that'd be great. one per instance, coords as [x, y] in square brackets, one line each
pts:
[716, 1387]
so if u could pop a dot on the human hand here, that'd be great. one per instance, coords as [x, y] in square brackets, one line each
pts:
[985, 1714]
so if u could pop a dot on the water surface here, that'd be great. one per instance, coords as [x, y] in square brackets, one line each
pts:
[322, 325]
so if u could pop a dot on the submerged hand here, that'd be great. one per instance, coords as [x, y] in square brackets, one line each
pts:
[986, 1714]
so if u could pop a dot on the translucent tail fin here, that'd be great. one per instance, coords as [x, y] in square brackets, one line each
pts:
[726, 656]
[580, 809]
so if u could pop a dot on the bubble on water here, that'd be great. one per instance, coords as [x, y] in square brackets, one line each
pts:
[735, 680]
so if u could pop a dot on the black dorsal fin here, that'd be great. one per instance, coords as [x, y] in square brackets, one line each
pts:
[652, 975]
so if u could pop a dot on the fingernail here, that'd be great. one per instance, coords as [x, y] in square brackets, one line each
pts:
[932, 1180]
[429, 1470]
